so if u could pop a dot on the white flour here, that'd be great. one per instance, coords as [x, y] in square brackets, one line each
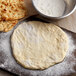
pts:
[54, 8]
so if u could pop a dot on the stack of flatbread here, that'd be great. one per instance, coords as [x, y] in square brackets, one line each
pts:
[10, 12]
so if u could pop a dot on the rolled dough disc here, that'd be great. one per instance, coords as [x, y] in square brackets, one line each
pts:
[38, 45]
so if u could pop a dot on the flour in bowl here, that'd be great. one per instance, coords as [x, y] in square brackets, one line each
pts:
[54, 8]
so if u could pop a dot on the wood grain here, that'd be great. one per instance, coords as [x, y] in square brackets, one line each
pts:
[30, 8]
[68, 23]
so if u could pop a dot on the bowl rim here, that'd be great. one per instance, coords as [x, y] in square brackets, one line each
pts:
[60, 17]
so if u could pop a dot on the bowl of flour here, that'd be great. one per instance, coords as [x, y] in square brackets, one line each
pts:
[54, 9]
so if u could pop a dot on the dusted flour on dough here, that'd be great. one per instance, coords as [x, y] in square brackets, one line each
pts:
[38, 45]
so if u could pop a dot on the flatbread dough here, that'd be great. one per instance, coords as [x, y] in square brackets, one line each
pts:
[12, 9]
[38, 45]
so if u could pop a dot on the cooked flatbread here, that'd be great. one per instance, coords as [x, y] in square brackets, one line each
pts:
[38, 45]
[6, 26]
[12, 9]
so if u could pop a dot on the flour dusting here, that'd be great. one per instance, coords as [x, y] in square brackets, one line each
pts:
[65, 67]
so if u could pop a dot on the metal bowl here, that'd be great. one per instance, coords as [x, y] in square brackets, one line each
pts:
[70, 8]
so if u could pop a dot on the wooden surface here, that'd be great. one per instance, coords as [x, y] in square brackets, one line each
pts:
[68, 23]
[4, 73]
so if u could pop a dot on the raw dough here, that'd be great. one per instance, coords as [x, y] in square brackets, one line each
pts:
[38, 45]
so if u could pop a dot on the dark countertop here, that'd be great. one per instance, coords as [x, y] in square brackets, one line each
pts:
[5, 73]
